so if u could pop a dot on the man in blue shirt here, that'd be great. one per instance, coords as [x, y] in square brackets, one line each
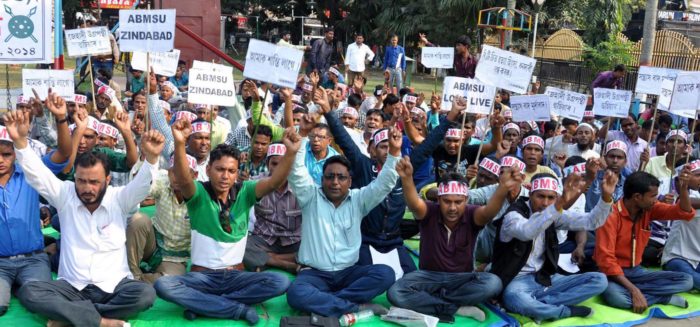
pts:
[22, 257]
[394, 63]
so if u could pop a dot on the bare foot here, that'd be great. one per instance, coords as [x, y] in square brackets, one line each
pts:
[56, 323]
[106, 322]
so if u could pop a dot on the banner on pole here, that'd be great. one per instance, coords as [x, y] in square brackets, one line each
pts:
[566, 104]
[273, 64]
[147, 30]
[60, 82]
[436, 57]
[162, 63]
[685, 98]
[505, 69]
[212, 87]
[88, 41]
[649, 79]
[530, 107]
[25, 32]
[611, 102]
[479, 96]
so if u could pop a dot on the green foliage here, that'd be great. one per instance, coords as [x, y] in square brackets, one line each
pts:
[607, 54]
[597, 18]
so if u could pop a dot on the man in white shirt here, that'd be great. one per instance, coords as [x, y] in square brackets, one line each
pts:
[355, 57]
[285, 39]
[94, 286]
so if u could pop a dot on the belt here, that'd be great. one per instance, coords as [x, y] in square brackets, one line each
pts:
[196, 268]
[24, 255]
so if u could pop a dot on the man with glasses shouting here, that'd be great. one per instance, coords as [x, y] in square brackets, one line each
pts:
[330, 282]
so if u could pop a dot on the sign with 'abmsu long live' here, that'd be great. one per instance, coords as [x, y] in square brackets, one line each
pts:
[479, 95]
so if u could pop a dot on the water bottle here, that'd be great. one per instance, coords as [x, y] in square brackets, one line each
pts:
[350, 319]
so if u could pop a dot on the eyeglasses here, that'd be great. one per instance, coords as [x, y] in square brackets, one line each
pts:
[340, 177]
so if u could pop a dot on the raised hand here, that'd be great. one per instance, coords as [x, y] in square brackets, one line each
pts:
[17, 124]
[472, 171]
[593, 165]
[421, 98]
[138, 126]
[291, 140]
[395, 140]
[404, 168]
[80, 117]
[153, 88]
[511, 178]
[121, 121]
[181, 131]
[434, 102]
[36, 104]
[152, 143]
[321, 99]
[358, 83]
[644, 158]
[286, 93]
[503, 149]
[423, 38]
[314, 78]
[252, 90]
[497, 121]
[573, 187]
[57, 105]
[459, 104]
[608, 186]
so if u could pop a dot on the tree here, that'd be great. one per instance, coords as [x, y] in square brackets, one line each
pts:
[607, 54]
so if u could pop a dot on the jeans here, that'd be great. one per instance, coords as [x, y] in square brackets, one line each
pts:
[683, 266]
[21, 271]
[483, 248]
[59, 300]
[221, 293]
[527, 297]
[657, 286]
[405, 259]
[335, 293]
[442, 293]
[396, 78]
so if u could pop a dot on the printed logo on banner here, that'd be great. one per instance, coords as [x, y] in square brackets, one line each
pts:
[436, 57]
[25, 32]
[273, 64]
[88, 41]
[162, 63]
[567, 104]
[479, 96]
[147, 30]
[61, 82]
[505, 69]
[611, 102]
[649, 79]
[530, 107]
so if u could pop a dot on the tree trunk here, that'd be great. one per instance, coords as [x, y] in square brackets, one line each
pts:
[650, 19]
[509, 33]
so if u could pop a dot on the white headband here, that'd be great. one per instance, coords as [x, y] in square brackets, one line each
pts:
[350, 111]
[616, 145]
[185, 115]
[79, 99]
[165, 105]
[490, 166]
[544, 184]
[575, 169]
[513, 162]
[453, 188]
[93, 124]
[511, 126]
[277, 149]
[191, 162]
[308, 87]
[588, 114]
[582, 125]
[677, 132]
[380, 136]
[409, 98]
[694, 165]
[109, 130]
[22, 100]
[507, 113]
[334, 71]
[201, 127]
[454, 133]
[533, 139]
[417, 111]
[4, 136]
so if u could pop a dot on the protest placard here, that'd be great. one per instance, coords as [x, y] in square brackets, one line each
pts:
[147, 30]
[566, 104]
[205, 65]
[213, 87]
[649, 79]
[436, 57]
[479, 95]
[273, 64]
[685, 99]
[27, 37]
[530, 107]
[611, 102]
[664, 102]
[162, 63]
[88, 41]
[59, 81]
[505, 69]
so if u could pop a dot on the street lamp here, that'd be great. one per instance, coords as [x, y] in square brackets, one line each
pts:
[538, 6]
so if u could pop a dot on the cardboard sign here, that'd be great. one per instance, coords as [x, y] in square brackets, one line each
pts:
[434, 57]
[479, 95]
[566, 104]
[611, 103]
[204, 65]
[530, 107]
[60, 82]
[666, 94]
[162, 63]
[147, 30]
[505, 69]
[213, 87]
[26, 35]
[649, 79]
[686, 94]
[273, 64]
[88, 41]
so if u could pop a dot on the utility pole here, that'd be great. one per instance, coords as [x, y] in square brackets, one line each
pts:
[509, 33]
[650, 13]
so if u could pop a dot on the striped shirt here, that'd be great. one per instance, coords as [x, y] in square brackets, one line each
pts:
[278, 217]
[171, 219]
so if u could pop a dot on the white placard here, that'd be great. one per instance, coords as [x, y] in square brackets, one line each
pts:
[147, 30]
[666, 94]
[611, 102]
[435, 57]
[505, 69]
[88, 41]
[273, 64]
[686, 94]
[205, 65]
[14, 93]
[60, 82]
[162, 63]
[479, 95]
[649, 79]
[566, 104]
[213, 87]
[25, 32]
[530, 107]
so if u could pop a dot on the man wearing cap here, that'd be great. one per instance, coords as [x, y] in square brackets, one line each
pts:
[621, 241]
[512, 134]
[446, 283]
[630, 135]
[42, 130]
[585, 145]
[558, 144]
[533, 151]
[331, 282]
[22, 258]
[216, 285]
[527, 242]
[218, 130]
[615, 159]
[662, 167]
[170, 93]
[334, 78]
[160, 246]
[275, 239]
